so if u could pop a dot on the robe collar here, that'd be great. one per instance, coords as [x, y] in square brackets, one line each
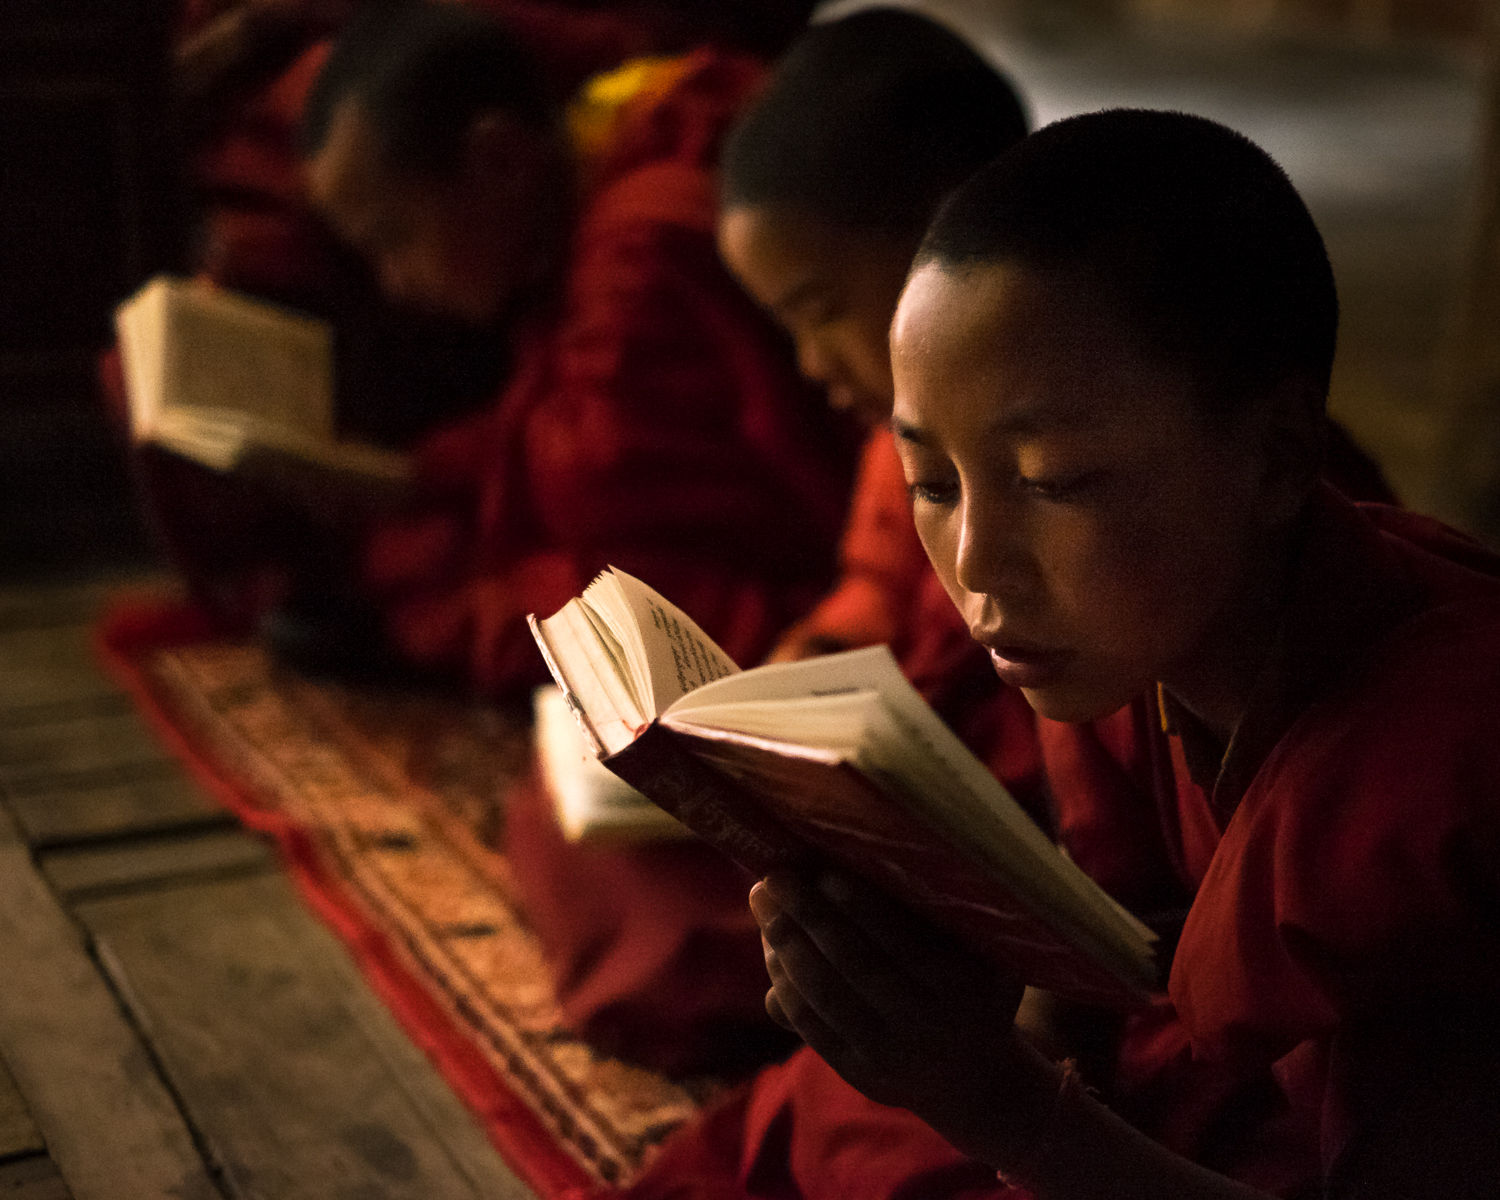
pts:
[1348, 587]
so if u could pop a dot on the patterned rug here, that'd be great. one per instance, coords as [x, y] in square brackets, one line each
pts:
[386, 806]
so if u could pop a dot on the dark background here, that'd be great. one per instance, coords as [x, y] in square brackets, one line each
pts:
[89, 207]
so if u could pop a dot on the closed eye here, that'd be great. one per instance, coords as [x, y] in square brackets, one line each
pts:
[1060, 488]
[943, 494]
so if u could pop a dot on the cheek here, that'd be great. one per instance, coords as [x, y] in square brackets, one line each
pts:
[1140, 593]
[937, 528]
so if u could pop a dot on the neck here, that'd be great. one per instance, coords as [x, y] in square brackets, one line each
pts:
[1216, 685]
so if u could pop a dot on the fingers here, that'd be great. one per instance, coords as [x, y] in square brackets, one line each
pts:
[838, 935]
[891, 956]
[790, 1009]
[924, 951]
[857, 1001]
[810, 986]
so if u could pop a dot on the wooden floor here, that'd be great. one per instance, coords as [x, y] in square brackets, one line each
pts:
[173, 1021]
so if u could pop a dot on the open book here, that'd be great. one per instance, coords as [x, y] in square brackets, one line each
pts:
[212, 374]
[835, 760]
[591, 803]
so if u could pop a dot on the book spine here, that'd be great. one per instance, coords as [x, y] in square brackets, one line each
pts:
[706, 801]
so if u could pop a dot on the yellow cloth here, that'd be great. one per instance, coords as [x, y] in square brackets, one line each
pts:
[593, 111]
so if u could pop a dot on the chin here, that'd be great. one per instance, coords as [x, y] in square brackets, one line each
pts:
[1074, 705]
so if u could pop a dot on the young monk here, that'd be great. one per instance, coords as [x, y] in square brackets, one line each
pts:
[860, 119]
[1110, 363]
[243, 75]
[828, 183]
[654, 420]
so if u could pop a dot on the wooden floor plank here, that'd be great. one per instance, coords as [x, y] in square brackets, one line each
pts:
[294, 1075]
[26, 712]
[142, 862]
[98, 747]
[159, 799]
[32, 1178]
[48, 665]
[110, 1124]
[18, 1132]
[29, 604]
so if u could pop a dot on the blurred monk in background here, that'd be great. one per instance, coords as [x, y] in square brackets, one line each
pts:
[649, 416]
[863, 127]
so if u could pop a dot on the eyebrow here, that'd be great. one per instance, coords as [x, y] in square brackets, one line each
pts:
[1027, 421]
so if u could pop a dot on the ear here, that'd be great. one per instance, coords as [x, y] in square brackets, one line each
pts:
[500, 148]
[1293, 432]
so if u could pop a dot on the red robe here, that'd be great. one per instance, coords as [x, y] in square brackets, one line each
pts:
[1330, 1013]
[653, 420]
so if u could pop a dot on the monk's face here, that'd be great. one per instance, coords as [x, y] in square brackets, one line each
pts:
[1096, 532]
[459, 245]
[832, 288]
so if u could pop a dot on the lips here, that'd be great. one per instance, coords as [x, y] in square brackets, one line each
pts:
[1025, 666]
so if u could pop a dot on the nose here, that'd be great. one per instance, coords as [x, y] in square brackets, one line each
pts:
[992, 558]
[814, 361]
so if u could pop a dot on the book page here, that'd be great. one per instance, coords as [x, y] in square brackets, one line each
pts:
[829, 721]
[619, 640]
[344, 458]
[976, 809]
[226, 352]
[138, 329]
[220, 439]
[670, 655]
[587, 670]
[869, 669]
[805, 805]
[216, 440]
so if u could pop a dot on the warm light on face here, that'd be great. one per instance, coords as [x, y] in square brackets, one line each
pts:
[833, 289]
[1095, 532]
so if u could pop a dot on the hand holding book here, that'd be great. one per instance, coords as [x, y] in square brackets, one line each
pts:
[835, 760]
[904, 1013]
